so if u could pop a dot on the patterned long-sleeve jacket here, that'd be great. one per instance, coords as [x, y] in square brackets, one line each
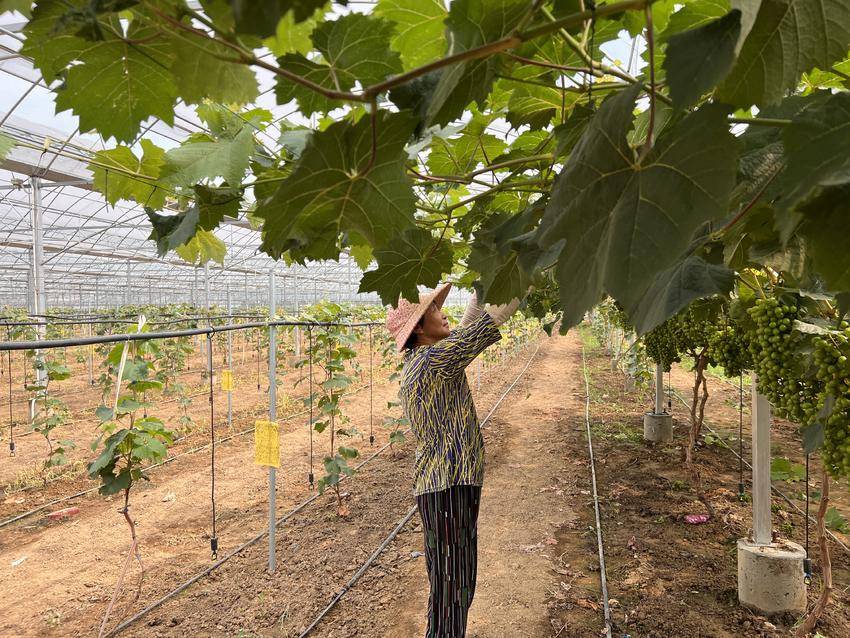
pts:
[437, 401]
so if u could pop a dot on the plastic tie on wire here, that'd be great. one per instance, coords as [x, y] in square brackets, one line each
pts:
[11, 448]
[741, 492]
[371, 439]
[214, 547]
[310, 477]
[807, 571]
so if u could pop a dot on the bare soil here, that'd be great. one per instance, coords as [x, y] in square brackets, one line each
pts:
[538, 573]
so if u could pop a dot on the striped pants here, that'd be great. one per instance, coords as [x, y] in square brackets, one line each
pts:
[450, 525]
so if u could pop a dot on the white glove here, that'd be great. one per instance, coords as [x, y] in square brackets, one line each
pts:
[472, 312]
[501, 314]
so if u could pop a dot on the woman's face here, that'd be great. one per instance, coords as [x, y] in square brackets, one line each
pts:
[435, 325]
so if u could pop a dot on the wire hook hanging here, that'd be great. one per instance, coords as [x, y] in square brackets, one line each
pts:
[214, 536]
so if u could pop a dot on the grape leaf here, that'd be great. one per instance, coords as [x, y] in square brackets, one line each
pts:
[693, 15]
[537, 105]
[787, 38]
[203, 247]
[214, 204]
[291, 36]
[21, 6]
[825, 229]
[260, 17]
[493, 255]
[203, 157]
[51, 47]
[419, 34]
[460, 155]
[200, 72]
[110, 88]
[172, 231]
[471, 23]
[6, 145]
[116, 184]
[362, 255]
[328, 193]
[414, 258]
[817, 147]
[624, 220]
[354, 48]
[698, 59]
[676, 287]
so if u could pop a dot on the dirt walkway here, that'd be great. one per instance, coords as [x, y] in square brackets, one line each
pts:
[522, 505]
[532, 523]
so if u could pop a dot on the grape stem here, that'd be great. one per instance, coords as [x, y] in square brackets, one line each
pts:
[811, 619]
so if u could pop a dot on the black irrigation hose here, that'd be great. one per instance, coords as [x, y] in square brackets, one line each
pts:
[48, 344]
[403, 521]
[772, 487]
[603, 578]
[200, 448]
[129, 321]
[363, 568]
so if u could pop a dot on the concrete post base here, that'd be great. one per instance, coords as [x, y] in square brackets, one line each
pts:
[770, 577]
[657, 427]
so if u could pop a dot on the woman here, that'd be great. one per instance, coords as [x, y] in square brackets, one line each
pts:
[449, 461]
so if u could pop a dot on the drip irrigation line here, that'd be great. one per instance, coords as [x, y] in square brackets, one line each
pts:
[199, 448]
[772, 487]
[603, 578]
[48, 344]
[365, 566]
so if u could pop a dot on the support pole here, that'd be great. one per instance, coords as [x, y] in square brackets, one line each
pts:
[762, 525]
[297, 331]
[659, 388]
[38, 296]
[771, 577]
[127, 287]
[272, 417]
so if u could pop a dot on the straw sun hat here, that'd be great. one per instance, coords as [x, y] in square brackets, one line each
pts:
[402, 319]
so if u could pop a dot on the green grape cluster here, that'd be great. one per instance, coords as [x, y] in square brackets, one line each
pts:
[774, 348]
[728, 347]
[662, 343]
[832, 359]
[695, 331]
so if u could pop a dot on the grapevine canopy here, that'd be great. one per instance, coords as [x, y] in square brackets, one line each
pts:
[722, 145]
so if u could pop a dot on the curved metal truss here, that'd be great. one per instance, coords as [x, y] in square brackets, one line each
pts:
[60, 237]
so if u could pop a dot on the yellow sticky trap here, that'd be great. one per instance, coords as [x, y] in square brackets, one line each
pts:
[227, 380]
[266, 444]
